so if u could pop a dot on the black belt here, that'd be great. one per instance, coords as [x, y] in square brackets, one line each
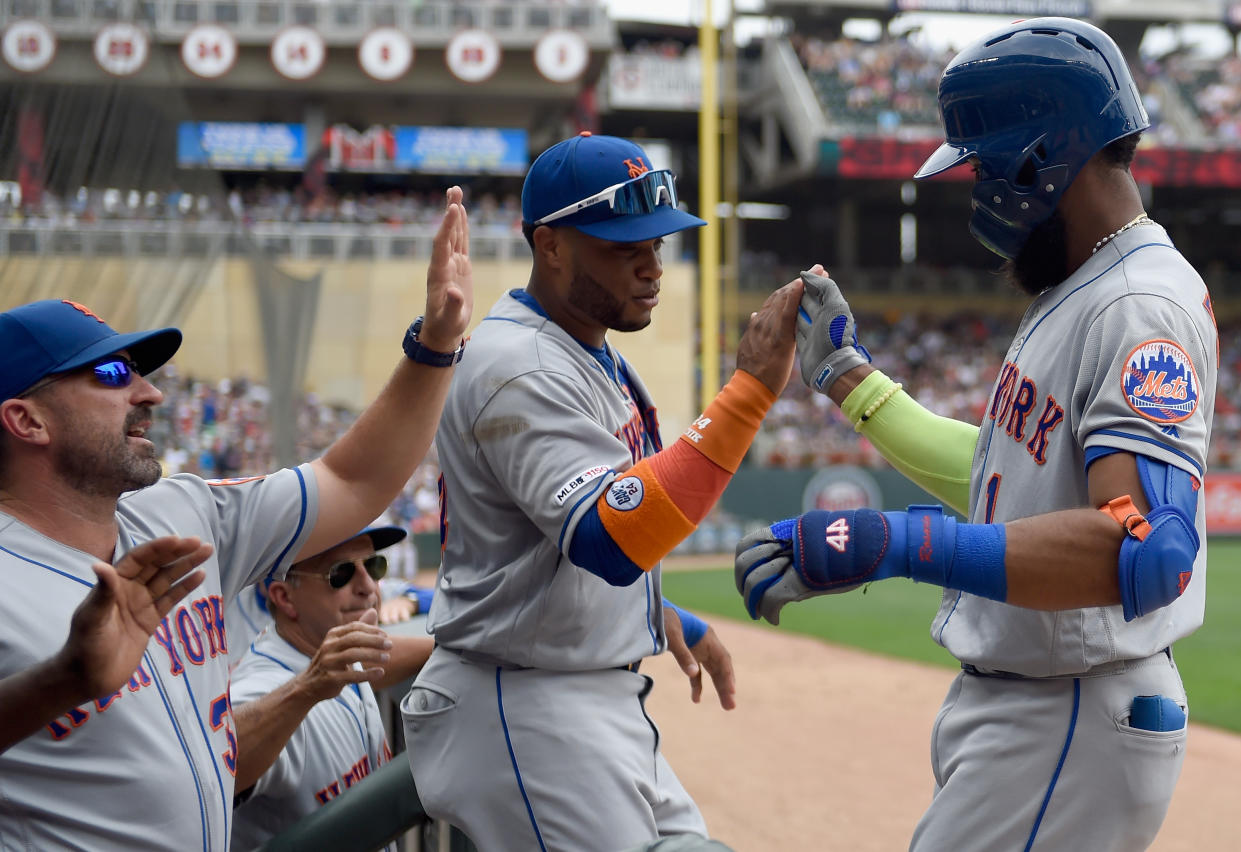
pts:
[1105, 668]
[488, 660]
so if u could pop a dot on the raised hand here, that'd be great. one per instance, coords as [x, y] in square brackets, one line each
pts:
[827, 344]
[766, 350]
[450, 282]
[112, 627]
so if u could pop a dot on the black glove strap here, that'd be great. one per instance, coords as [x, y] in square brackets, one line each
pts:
[420, 354]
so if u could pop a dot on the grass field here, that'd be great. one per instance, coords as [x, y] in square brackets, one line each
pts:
[894, 618]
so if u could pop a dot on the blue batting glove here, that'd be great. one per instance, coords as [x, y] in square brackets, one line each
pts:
[823, 553]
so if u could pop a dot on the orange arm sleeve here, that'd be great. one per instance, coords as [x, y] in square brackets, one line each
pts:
[652, 507]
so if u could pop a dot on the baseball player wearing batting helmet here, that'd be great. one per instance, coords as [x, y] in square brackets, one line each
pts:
[115, 721]
[302, 695]
[1084, 557]
[526, 728]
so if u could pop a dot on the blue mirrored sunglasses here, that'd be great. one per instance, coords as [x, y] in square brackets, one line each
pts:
[114, 371]
[634, 197]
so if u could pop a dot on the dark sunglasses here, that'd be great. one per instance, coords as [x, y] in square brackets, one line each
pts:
[115, 371]
[339, 575]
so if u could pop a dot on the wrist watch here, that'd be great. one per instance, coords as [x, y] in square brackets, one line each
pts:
[420, 354]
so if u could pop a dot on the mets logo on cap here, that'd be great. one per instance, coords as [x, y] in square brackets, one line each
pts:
[1160, 383]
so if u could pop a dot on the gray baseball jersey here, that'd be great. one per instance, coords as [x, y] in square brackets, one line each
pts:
[1121, 355]
[534, 428]
[1039, 726]
[150, 766]
[524, 701]
[340, 742]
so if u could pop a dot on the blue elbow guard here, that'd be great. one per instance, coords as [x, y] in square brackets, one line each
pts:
[1157, 556]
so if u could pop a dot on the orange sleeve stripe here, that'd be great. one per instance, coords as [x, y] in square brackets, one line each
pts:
[724, 431]
[641, 516]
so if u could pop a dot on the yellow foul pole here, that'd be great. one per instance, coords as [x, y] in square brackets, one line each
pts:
[708, 198]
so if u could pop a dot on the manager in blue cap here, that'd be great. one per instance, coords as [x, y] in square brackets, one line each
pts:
[526, 728]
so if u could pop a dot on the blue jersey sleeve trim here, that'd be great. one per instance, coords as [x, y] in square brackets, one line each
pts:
[1064, 753]
[591, 494]
[594, 549]
[301, 522]
[1153, 442]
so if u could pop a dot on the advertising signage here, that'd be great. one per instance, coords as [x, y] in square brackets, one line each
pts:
[241, 145]
[461, 150]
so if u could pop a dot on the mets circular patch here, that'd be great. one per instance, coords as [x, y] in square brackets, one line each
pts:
[625, 494]
[1159, 382]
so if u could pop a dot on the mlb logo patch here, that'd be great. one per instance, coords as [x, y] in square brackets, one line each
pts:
[1159, 382]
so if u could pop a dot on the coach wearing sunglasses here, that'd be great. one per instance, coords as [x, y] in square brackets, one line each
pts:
[302, 695]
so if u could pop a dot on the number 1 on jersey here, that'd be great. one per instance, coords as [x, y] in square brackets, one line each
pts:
[993, 489]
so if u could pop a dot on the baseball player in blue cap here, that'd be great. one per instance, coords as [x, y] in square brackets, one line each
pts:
[1084, 557]
[115, 722]
[303, 694]
[526, 728]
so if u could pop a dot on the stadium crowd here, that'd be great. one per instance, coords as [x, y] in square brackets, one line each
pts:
[260, 203]
[890, 84]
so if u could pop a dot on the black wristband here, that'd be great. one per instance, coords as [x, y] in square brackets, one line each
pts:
[420, 354]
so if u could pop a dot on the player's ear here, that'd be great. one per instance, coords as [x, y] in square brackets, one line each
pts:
[278, 597]
[25, 420]
[549, 246]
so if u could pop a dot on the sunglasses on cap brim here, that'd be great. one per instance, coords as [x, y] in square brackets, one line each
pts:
[642, 195]
[339, 575]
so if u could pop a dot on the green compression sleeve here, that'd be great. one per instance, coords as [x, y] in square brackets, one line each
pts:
[934, 452]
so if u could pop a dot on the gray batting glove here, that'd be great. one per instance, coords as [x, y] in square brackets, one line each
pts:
[827, 345]
[764, 574]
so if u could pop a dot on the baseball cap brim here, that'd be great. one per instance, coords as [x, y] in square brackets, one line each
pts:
[382, 537]
[149, 349]
[946, 156]
[661, 222]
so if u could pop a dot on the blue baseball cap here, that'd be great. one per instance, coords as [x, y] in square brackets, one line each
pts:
[578, 168]
[57, 335]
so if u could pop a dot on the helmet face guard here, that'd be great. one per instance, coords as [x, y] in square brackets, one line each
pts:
[1029, 105]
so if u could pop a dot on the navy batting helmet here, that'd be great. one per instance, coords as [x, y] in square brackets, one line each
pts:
[1032, 103]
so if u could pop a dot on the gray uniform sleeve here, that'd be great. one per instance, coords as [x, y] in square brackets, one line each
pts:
[259, 523]
[541, 441]
[1146, 382]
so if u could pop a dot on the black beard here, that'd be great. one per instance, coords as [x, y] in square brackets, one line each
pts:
[593, 299]
[1043, 260]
